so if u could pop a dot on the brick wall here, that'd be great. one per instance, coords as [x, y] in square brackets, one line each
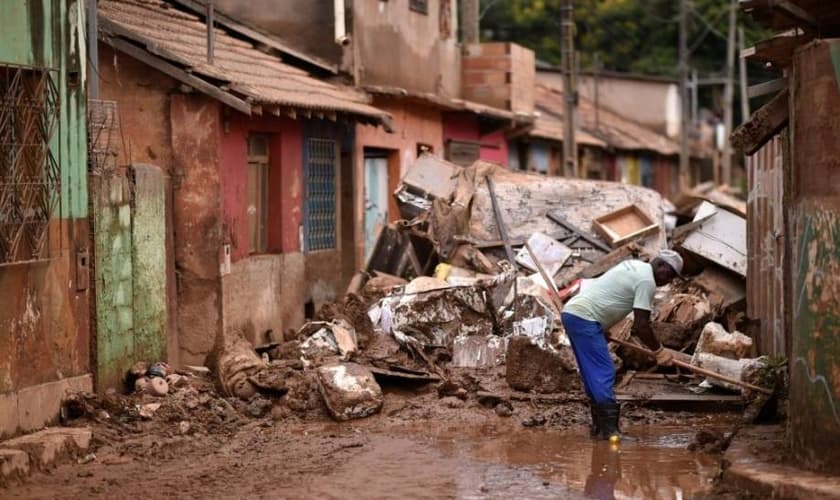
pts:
[501, 75]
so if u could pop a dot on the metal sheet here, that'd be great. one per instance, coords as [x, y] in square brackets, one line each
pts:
[765, 246]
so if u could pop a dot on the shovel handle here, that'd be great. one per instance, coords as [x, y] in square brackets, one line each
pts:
[696, 369]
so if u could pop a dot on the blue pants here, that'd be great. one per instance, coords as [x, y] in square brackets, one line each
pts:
[589, 344]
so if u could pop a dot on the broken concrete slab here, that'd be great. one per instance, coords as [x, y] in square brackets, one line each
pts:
[714, 339]
[14, 465]
[349, 391]
[530, 367]
[51, 446]
[723, 286]
[323, 339]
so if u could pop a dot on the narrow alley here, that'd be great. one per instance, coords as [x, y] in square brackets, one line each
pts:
[420, 249]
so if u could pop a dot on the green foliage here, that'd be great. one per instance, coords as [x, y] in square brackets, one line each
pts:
[639, 36]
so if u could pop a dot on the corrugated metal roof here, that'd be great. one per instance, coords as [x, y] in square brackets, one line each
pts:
[613, 129]
[240, 70]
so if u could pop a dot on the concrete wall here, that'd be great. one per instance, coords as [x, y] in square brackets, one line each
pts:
[814, 241]
[44, 315]
[195, 122]
[395, 46]
[652, 103]
[306, 25]
[143, 95]
[466, 127]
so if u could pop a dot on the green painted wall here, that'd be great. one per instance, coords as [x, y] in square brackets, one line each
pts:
[115, 349]
[51, 33]
[149, 262]
[815, 360]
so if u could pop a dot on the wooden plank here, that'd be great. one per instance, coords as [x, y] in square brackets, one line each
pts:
[383, 373]
[557, 217]
[624, 225]
[681, 398]
[765, 123]
[765, 88]
[608, 261]
[179, 74]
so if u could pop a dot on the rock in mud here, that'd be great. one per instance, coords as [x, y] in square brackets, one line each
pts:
[531, 367]
[258, 407]
[349, 391]
[504, 409]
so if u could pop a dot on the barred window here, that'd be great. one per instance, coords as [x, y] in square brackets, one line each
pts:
[319, 217]
[29, 173]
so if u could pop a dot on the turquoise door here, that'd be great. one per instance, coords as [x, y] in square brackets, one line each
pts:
[376, 199]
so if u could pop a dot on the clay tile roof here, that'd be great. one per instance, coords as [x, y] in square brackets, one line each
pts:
[451, 104]
[614, 130]
[243, 77]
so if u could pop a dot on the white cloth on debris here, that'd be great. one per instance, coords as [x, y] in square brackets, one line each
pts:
[610, 297]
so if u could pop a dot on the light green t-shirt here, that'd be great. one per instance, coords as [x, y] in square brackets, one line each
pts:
[610, 297]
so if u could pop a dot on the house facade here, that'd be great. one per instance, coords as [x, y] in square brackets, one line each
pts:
[44, 244]
[258, 154]
[457, 101]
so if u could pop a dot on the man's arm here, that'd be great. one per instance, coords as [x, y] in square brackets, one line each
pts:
[641, 328]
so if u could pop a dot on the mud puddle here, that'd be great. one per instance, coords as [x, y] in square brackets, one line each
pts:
[508, 461]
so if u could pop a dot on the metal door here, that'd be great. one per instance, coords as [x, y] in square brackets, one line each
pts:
[376, 199]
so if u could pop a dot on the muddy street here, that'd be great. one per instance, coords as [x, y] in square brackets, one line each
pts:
[385, 457]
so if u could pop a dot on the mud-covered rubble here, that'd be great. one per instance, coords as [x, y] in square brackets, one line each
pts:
[440, 319]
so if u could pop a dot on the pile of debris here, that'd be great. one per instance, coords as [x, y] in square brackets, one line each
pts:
[469, 279]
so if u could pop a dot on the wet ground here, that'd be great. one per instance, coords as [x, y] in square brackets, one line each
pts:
[382, 459]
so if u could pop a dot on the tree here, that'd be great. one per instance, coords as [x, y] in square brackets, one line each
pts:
[638, 36]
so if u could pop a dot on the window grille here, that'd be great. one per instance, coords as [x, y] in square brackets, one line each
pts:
[319, 221]
[30, 178]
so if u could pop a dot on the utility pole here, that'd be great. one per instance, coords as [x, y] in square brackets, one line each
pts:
[93, 48]
[567, 45]
[211, 34]
[742, 73]
[597, 91]
[695, 99]
[728, 90]
[469, 22]
[684, 111]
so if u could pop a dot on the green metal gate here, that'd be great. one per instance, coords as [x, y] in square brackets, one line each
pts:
[129, 221]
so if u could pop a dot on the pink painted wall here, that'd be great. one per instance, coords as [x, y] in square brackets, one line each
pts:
[464, 127]
[285, 201]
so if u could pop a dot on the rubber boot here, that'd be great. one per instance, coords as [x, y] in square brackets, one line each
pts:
[609, 421]
[608, 415]
[595, 424]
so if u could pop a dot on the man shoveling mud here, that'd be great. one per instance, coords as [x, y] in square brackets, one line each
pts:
[602, 303]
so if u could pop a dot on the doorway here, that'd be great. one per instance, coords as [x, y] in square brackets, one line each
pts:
[376, 195]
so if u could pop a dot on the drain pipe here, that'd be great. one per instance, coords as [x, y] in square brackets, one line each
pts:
[341, 37]
[93, 49]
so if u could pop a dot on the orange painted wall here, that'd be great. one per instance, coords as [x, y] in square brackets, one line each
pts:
[413, 124]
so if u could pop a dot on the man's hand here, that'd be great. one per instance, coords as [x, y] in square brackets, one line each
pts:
[664, 356]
